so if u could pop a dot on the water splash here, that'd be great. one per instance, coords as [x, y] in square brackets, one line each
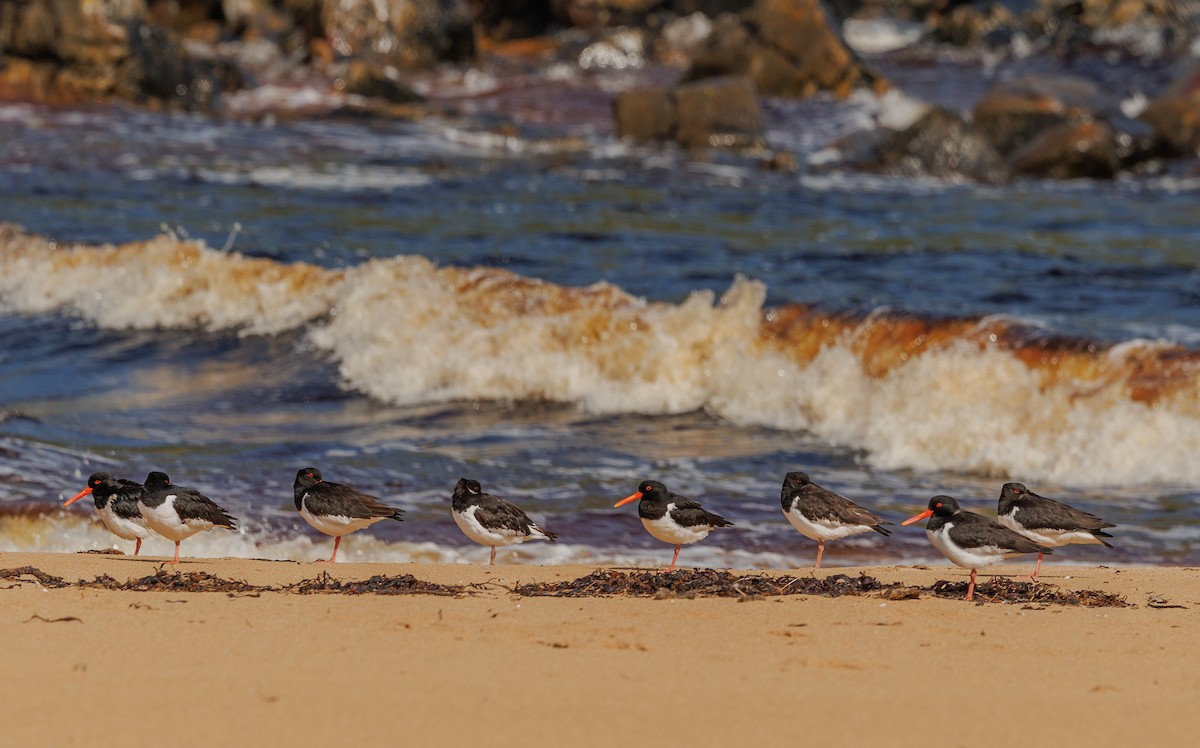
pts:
[978, 394]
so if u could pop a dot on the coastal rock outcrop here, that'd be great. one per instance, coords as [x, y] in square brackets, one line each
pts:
[788, 47]
[1175, 113]
[67, 51]
[939, 143]
[722, 112]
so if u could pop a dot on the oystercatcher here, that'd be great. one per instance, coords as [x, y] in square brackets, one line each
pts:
[117, 504]
[490, 520]
[970, 540]
[672, 518]
[821, 514]
[177, 512]
[1046, 521]
[335, 509]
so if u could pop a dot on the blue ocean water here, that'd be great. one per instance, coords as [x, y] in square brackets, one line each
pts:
[497, 357]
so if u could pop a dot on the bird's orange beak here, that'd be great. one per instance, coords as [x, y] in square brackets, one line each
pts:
[632, 497]
[78, 496]
[918, 518]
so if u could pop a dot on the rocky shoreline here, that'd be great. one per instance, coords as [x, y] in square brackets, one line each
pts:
[693, 73]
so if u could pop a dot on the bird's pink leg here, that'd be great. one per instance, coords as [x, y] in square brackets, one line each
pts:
[492, 560]
[1037, 569]
[137, 548]
[176, 552]
[820, 552]
[971, 587]
[674, 559]
[336, 543]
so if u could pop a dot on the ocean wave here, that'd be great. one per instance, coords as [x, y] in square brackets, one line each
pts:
[65, 531]
[988, 395]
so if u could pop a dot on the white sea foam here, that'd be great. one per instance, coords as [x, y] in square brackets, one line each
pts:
[161, 283]
[341, 178]
[71, 532]
[878, 35]
[406, 331]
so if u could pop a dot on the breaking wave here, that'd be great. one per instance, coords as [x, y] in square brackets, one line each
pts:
[977, 394]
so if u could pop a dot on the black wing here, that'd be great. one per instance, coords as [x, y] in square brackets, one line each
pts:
[689, 513]
[972, 530]
[819, 503]
[334, 499]
[496, 512]
[191, 504]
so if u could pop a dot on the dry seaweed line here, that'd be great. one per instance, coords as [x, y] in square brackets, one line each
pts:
[44, 579]
[380, 584]
[681, 583]
[1003, 590]
[699, 583]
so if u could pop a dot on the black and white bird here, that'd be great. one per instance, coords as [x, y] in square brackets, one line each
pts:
[970, 540]
[178, 512]
[337, 510]
[821, 514]
[117, 505]
[490, 520]
[1048, 522]
[672, 518]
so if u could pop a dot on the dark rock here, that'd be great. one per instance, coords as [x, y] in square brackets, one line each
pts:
[721, 112]
[512, 19]
[163, 71]
[718, 111]
[594, 13]
[965, 25]
[1011, 114]
[1070, 150]
[711, 8]
[56, 52]
[1175, 113]
[373, 81]
[407, 34]
[939, 144]
[645, 114]
[788, 47]
[726, 50]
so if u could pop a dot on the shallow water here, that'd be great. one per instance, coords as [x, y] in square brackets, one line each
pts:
[398, 375]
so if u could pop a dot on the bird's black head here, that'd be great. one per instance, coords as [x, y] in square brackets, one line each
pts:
[467, 487]
[944, 506]
[156, 480]
[1010, 494]
[939, 506]
[792, 484]
[99, 487]
[650, 490]
[1013, 490]
[306, 478]
[796, 479]
[98, 479]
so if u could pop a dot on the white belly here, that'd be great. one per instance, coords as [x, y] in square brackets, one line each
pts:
[164, 520]
[1046, 536]
[491, 537]
[668, 532]
[968, 558]
[336, 525]
[825, 529]
[129, 529]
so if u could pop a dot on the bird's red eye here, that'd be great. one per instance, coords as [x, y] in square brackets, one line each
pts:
[938, 505]
[310, 475]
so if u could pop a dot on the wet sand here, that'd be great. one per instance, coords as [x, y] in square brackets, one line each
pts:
[493, 668]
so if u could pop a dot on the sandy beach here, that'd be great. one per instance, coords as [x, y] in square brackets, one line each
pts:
[102, 667]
